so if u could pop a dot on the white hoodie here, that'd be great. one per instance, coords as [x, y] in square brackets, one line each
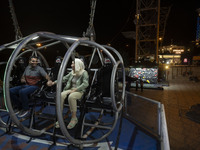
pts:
[79, 67]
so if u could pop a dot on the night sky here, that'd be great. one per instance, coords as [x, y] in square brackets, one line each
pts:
[182, 22]
[71, 18]
[64, 17]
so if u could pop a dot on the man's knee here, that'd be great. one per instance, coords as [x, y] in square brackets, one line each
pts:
[22, 93]
[11, 91]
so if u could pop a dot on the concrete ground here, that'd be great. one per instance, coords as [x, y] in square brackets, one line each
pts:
[178, 97]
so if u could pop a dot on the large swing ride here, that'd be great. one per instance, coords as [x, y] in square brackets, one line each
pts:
[93, 103]
[99, 109]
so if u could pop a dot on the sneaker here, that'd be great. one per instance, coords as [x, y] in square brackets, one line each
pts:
[16, 111]
[23, 113]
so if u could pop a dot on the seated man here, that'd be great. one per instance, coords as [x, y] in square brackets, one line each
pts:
[19, 94]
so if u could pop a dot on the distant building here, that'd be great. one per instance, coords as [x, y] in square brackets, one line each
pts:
[171, 54]
[196, 60]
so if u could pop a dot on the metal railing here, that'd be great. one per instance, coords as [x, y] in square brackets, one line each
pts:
[149, 115]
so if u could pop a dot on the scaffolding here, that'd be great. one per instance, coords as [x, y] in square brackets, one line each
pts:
[150, 21]
[147, 28]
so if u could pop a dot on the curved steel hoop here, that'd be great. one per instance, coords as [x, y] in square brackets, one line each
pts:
[117, 104]
[10, 64]
[59, 83]
[6, 87]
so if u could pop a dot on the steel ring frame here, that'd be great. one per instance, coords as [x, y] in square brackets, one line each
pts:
[7, 74]
[59, 82]
[112, 87]
[113, 77]
[9, 66]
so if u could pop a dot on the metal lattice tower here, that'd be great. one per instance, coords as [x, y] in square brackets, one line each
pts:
[164, 13]
[18, 33]
[147, 28]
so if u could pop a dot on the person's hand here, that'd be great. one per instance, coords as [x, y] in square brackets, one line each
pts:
[74, 90]
[23, 80]
[50, 83]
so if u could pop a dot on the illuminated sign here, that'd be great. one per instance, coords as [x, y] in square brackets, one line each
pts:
[185, 60]
[178, 51]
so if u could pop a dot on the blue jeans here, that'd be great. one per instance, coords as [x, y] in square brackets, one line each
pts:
[19, 95]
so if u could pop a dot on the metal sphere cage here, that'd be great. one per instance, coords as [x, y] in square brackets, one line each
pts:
[71, 44]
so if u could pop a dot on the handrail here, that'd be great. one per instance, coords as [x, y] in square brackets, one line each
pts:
[161, 133]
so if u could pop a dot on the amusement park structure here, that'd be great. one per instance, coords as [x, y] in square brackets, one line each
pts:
[98, 113]
[150, 28]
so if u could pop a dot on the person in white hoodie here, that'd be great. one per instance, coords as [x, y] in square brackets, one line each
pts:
[77, 82]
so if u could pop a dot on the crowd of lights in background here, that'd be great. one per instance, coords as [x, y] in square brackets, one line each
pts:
[198, 32]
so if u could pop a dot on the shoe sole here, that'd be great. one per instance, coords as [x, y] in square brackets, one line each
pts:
[23, 114]
[16, 113]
